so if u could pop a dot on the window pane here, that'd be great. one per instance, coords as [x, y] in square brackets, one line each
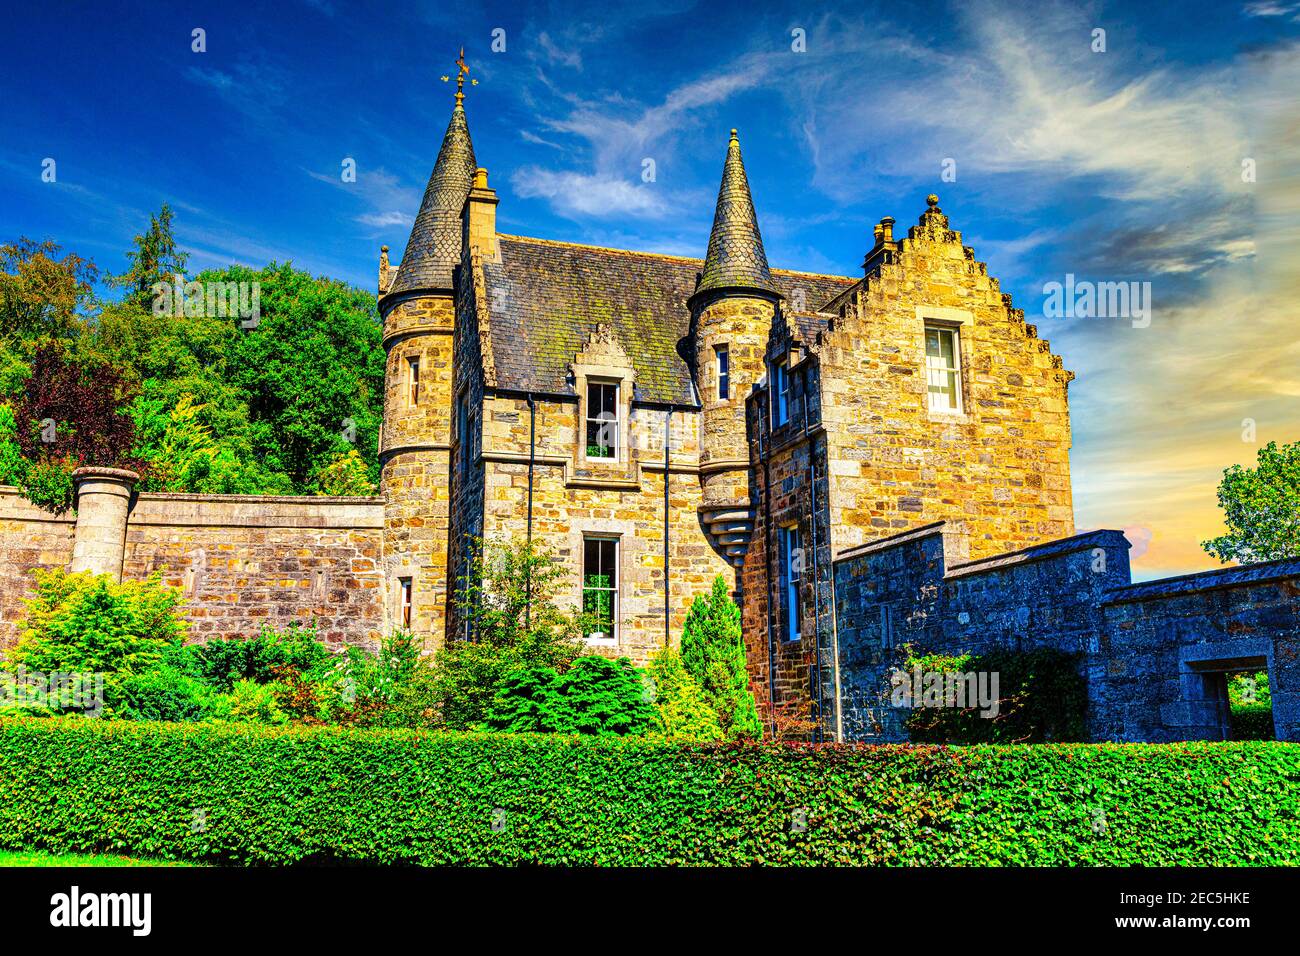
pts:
[932, 343]
[600, 583]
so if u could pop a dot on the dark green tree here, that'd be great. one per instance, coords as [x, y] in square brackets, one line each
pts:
[156, 258]
[714, 654]
[595, 696]
[1261, 507]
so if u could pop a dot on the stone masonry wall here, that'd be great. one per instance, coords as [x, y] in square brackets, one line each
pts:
[569, 502]
[30, 538]
[1001, 465]
[247, 561]
[241, 561]
[1143, 647]
[1165, 638]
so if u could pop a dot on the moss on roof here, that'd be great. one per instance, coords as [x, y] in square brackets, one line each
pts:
[545, 298]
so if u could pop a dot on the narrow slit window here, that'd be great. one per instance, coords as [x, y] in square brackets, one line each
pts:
[943, 368]
[404, 586]
[602, 420]
[600, 586]
[724, 371]
[462, 432]
[413, 379]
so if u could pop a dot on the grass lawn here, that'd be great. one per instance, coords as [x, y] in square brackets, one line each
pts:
[41, 858]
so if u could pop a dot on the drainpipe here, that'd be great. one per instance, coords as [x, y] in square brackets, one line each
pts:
[767, 566]
[817, 607]
[668, 463]
[532, 457]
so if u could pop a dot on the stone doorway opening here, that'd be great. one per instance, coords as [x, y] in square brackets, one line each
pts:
[1229, 698]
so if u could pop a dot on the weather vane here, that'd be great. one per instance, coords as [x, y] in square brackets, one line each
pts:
[461, 70]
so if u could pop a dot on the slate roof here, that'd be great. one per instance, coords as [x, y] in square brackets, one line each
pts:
[433, 249]
[735, 258]
[545, 298]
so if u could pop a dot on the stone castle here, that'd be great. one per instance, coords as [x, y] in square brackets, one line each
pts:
[869, 461]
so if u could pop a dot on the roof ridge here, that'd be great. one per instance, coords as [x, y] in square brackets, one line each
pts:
[587, 245]
[659, 255]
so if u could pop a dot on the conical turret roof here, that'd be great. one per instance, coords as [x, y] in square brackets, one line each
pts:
[736, 259]
[433, 249]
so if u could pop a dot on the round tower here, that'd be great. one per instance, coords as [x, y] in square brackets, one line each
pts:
[418, 309]
[731, 318]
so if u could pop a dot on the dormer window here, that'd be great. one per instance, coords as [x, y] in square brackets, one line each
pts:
[602, 420]
[780, 379]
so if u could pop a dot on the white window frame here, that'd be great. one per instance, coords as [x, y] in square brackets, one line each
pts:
[413, 380]
[935, 366]
[722, 360]
[793, 578]
[603, 423]
[780, 385]
[613, 588]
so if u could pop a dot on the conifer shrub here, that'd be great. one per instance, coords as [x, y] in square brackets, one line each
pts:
[594, 696]
[682, 712]
[713, 652]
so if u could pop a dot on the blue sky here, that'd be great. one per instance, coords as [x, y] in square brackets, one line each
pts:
[1116, 165]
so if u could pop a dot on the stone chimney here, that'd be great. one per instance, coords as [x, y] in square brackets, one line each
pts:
[103, 502]
[480, 217]
[884, 249]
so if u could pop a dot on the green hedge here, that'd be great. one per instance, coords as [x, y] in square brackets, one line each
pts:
[292, 794]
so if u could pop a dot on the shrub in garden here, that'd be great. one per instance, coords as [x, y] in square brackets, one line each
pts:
[714, 654]
[165, 693]
[81, 623]
[1042, 697]
[682, 712]
[508, 596]
[594, 696]
[222, 662]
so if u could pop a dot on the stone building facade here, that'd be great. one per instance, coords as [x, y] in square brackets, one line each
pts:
[868, 460]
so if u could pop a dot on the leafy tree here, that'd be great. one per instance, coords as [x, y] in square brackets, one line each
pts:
[156, 258]
[287, 396]
[345, 475]
[42, 297]
[510, 628]
[595, 696]
[182, 454]
[1261, 507]
[682, 712]
[311, 371]
[13, 468]
[714, 654]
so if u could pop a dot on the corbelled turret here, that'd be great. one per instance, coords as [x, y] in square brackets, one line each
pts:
[731, 315]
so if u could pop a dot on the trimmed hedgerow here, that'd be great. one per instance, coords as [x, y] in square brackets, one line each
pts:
[284, 795]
